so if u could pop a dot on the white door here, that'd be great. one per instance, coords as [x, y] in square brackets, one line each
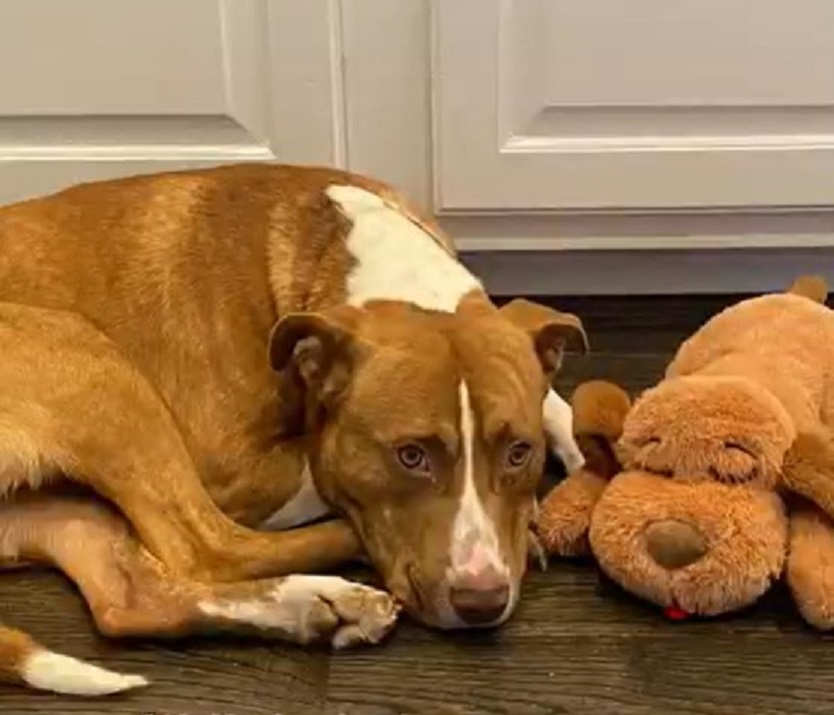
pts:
[598, 105]
[99, 88]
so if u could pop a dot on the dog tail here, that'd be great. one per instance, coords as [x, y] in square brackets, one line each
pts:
[812, 287]
[25, 662]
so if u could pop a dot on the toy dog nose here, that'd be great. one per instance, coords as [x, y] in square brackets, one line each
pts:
[674, 544]
[480, 598]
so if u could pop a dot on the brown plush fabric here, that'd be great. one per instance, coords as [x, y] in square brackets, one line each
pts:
[599, 409]
[696, 518]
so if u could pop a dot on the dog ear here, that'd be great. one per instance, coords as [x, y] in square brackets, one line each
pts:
[313, 355]
[553, 333]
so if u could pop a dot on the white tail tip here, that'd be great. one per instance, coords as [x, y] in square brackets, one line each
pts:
[57, 673]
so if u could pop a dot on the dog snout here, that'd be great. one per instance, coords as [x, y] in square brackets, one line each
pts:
[480, 597]
[674, 544]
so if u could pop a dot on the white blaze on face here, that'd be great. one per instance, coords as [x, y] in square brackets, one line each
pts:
[395, 258]
[474, 547]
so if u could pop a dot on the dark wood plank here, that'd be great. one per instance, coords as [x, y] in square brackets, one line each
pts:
[581, 648]
[643, 324]
[632, 372]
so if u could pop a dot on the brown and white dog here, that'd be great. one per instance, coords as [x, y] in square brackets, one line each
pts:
[190, 357]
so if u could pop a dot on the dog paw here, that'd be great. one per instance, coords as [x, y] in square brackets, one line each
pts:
[340, 611]
[313, 609]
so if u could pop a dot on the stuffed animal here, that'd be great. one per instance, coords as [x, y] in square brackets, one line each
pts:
[719, 479]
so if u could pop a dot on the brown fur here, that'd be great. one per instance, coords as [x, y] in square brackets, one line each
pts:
[696, 518]
[178, 346]
[15, 648]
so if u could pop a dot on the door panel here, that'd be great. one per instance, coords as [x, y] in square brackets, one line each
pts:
[605, 105]
[96, 88]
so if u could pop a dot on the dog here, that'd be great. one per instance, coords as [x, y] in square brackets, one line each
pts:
[217, 384]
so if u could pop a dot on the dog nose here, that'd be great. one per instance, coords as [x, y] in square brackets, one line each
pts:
[674, 544]
[480, 598]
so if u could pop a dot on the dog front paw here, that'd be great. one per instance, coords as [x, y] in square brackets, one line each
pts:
[309, 609]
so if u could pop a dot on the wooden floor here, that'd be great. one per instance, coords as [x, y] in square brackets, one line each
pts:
[577, 644]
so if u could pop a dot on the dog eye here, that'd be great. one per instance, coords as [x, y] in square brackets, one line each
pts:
[518, 454]
[414, 458]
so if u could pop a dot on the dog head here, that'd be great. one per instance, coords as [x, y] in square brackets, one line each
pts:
[425, 430]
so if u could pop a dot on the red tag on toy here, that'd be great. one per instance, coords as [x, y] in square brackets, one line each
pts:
[673, 613]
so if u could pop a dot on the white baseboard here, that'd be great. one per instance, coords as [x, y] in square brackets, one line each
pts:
[646, 272]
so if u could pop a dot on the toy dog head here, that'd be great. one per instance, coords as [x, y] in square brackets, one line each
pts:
[694, 521]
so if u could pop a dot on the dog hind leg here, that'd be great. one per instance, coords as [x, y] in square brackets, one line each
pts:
[70, 403]
[130, 593]
[26, 662]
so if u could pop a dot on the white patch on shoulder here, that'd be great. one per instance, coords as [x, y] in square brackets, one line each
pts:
[395, 258]
[558, 428]
[303, 508]
[474, 538]
[57, 673]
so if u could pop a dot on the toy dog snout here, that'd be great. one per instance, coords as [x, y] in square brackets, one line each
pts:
[674, 544]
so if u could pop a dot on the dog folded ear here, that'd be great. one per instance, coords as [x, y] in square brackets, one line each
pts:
[553, 333]
[313, 355]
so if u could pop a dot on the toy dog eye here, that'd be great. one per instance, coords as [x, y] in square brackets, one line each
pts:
[414, 458]
[651, 441]
[739, 448]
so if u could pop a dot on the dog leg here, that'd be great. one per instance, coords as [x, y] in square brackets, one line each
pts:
[558, 428]
[131, 593]
[810, 566]
[71, 404]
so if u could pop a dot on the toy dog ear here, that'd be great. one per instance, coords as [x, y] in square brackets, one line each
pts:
[313, 355]
[599, 412]
[813, 288]
[553, 333]
[809, 468]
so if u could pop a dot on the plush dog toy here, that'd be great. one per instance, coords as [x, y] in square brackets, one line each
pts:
[719, 479]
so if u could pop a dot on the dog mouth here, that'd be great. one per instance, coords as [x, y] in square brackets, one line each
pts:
[431, 605]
